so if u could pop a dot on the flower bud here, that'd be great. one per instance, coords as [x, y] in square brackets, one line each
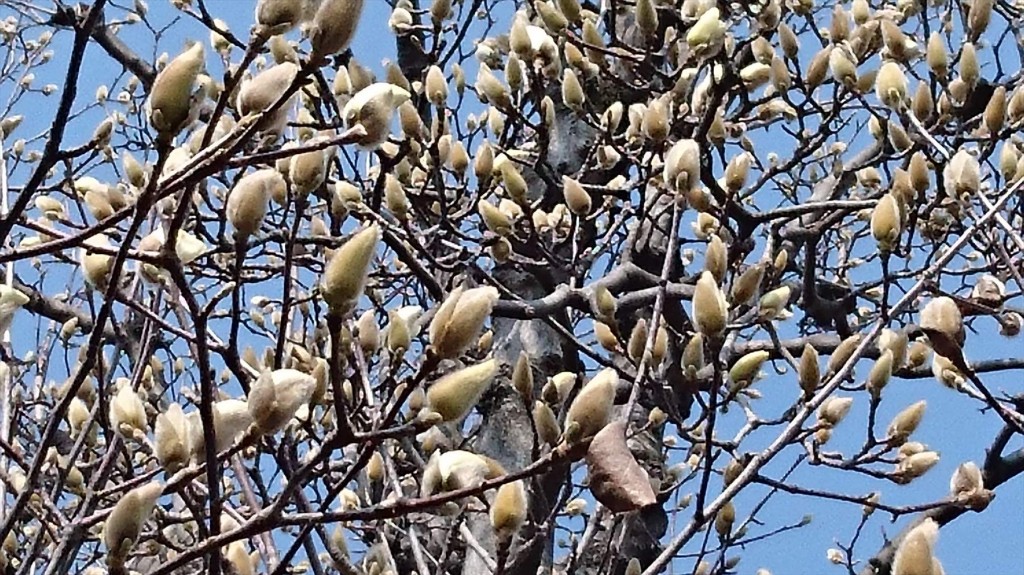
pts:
[880, 374]
[170, 100]
[247, 202]
[809, 371]
[127, 412]
[278, 16]
[576, 198]
[436, 86]
[886, 223]
[522, 377]
[458, 321]
[572, 91]
[962, 175]
[491, 89]
[262, 91]
[725, 519]
[747, 368]
[456, 393]
[509, 510]
[966, 480]
[709, 308]
[398, 336]
[682, 165]
[344, 278]
[171, 439]
[942, 314]
[917, 465]
[368, 332]
[842, 353]
[593, 405]
[716, 258]
[979, 14]
[372, 108]
[307, 171]
[124, 524]
[995, 111]
[914, 554]
[655, 121]
[773, 303]
[936, 55]
[891, 85]
[693, 356]
[745, 287]
[970, 71]
[947, 373]
[637, 340]
[906, 422]
[333, 27]
[707, 33]
[834, 410]
[276, 396]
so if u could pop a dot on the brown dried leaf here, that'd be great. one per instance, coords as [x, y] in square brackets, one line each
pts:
[616, 479]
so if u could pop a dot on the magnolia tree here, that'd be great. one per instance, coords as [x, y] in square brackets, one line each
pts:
[557, 288]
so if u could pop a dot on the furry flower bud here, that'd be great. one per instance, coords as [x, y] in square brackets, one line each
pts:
[456, 393]
[345, 276]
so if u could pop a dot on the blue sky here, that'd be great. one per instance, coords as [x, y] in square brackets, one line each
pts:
[989, 542]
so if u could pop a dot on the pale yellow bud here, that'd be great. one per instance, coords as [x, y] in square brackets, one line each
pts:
[276, 396]
[995, 112]
[456, 393]
[936, 55]
[509, 510]
[942, 314]
[344, 278]
[914, 554]
[637, 340]
[706, 35]
[655, 121]
[818, 67]
[124, 524]
[133, 169]
[716, 258]
[917, 465]
[459, 319]
[576, 198]
[436, 86]
[372, 108]
[880, 374]
[906, 422]
[773, 303]
[978, 16]
[788, 40]
[745, 287]
[247, 202]
[491, 90]
[966, 480]
[709, 307]
[842, 353]
[170, 100]
[440, 10]
[572, 91]
[891, 85]
[483, 163]
[591, 409]
[947, 373]
[259, 94]
[834, 410]
[522, 377]
[747, 368]
[368, 332]
[919, 173]
[970, 70]
[923, 104]
[127, 412]
[171, 438]
[279, 16]
[682, 165]
[333, 27]
[736, 172]
[886, 223]
[399, 336]
[725, 519]
[809, 371]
